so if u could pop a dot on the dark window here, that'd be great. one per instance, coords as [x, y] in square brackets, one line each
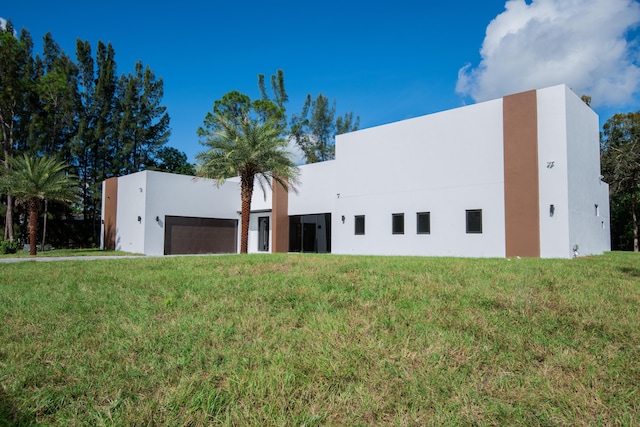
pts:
[397, 223]
[474, 221]
[310, 233]
[423, 221]
[359, 224]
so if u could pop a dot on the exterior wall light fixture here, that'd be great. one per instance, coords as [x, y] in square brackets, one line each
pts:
[139, 219]
[343, 218]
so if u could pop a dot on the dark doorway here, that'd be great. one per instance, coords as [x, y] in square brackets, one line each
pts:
[310, 233]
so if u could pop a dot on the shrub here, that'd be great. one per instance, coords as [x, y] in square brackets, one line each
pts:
[6, 247]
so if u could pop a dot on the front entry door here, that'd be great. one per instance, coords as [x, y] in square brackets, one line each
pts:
[263, 234]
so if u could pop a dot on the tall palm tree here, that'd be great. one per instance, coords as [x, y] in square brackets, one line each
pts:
[35, 180]
[251, 149]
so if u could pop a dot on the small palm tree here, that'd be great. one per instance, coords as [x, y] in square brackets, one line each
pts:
[35, 180]
[251, 149]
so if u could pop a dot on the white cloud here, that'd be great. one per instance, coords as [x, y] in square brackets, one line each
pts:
[3, 25]
[297, 155]
[582, 43]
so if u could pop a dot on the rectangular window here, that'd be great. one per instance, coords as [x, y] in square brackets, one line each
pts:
[474, 221]
[359, 224]
[397, 223]
[423, 221]
[310, 233]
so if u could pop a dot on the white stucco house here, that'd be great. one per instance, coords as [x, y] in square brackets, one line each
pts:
[516, 176]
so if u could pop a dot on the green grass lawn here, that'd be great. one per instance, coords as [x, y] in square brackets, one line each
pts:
[321, 340]
[65, 253]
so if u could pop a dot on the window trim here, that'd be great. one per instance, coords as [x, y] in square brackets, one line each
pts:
[393, 223]
[428, 215]
[469, 211]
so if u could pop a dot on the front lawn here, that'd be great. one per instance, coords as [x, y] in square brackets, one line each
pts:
[321, 340]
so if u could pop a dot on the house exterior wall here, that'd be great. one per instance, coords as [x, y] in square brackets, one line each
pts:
[109, 214]
[316, 189]
[588, 229]
[513, 158]
[130, 233]
[188, 197]
[443, 163]
[151, 194]
[553, 173]
[521, 185]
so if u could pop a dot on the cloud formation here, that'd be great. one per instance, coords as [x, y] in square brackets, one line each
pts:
[541, 43]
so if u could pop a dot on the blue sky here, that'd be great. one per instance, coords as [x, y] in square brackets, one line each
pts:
[385, 61]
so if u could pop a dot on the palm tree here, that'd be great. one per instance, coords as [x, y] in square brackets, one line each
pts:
[251, 149]
[35, 180]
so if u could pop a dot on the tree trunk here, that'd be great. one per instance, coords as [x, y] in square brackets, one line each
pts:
[8, 220]
[246, 190]
[44, 223]
[635, 223]
[7, 144]
[33, 227]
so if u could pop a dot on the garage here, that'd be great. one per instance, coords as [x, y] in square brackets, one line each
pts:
[188, 235]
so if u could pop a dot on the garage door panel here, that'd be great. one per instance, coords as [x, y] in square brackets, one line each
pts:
[188, 235]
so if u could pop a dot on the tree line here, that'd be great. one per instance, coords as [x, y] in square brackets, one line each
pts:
[620, 162]
[83, 113]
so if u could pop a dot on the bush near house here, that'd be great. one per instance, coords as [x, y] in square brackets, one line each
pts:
[6, 247]
[321, 340]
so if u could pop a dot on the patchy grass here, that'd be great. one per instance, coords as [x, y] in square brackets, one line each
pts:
[321, 340]
[67, 253]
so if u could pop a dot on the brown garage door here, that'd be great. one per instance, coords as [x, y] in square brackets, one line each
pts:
[187, 235]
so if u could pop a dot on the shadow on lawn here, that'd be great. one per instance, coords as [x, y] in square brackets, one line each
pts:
[10, 415]
[630, 271]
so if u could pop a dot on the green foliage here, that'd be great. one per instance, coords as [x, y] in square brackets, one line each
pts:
[35, 180]
[315, 129]
[40, 178]
[80, 112]
[287, 339]
[245, 139]
[246, 147]
[620, 160]
[169, 159]
[142, 122]
[6, 247]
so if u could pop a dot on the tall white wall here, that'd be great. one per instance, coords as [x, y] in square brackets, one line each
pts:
[553, 173]
[589, 229]
[130, 233]
[443, 163]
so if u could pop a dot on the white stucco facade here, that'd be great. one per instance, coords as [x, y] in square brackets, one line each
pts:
[443, 164]
[427, 164]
